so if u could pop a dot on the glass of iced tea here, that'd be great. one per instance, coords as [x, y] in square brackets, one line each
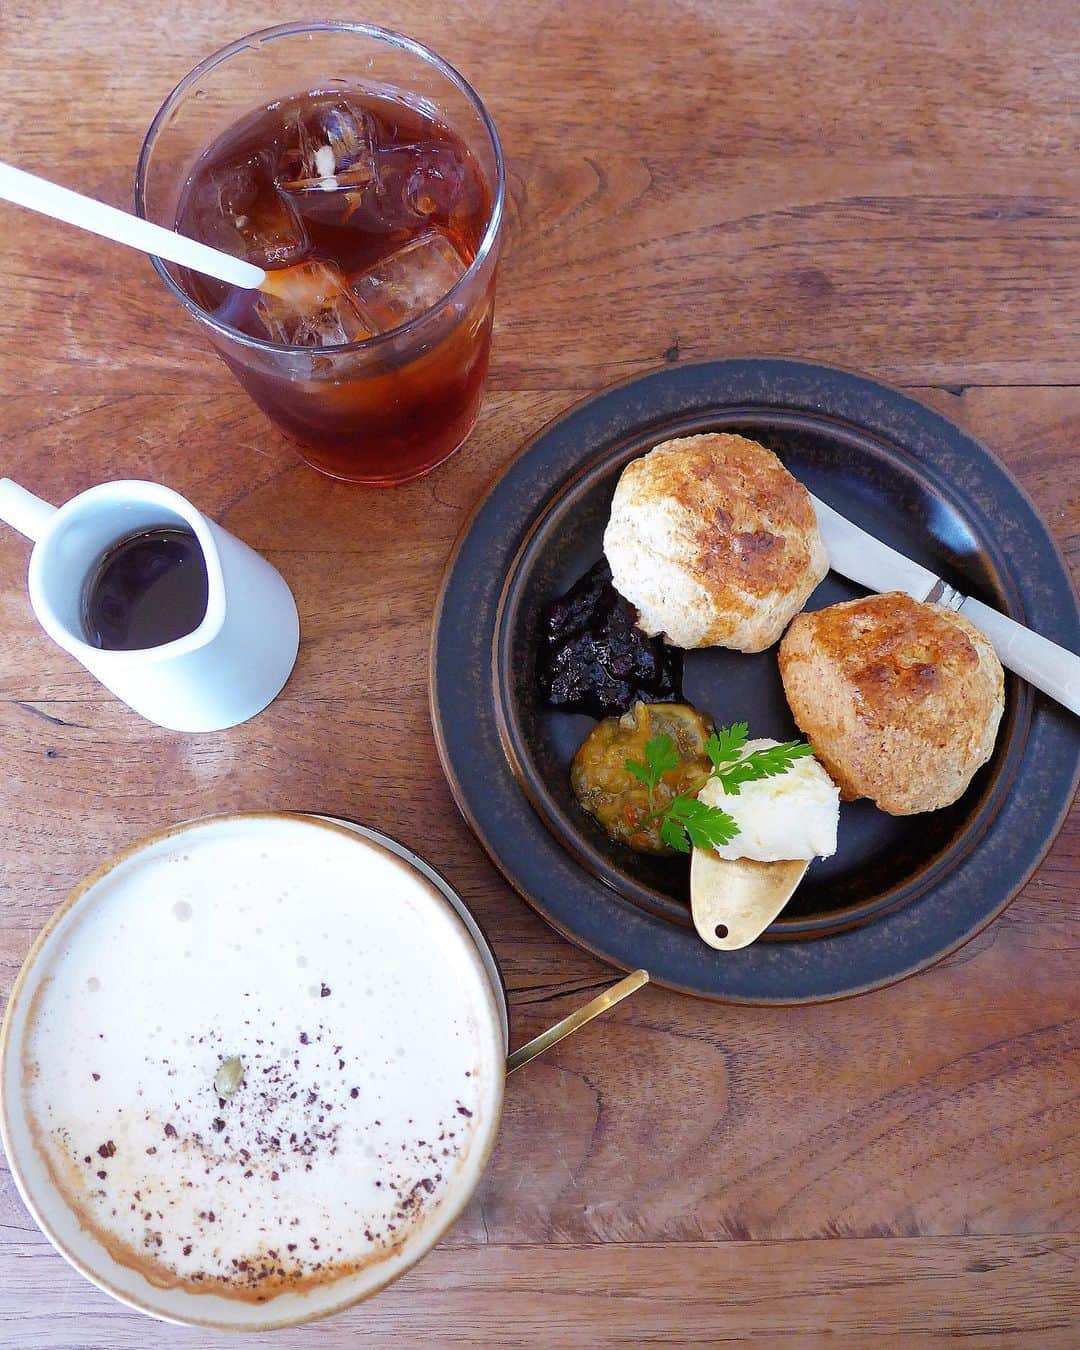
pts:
[364, 173]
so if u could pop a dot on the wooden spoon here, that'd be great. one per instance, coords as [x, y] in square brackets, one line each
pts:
[734, 902]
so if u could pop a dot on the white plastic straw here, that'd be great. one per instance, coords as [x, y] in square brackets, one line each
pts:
[26, 189]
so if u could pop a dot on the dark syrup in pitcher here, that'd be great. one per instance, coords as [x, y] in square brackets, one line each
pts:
[148, 589]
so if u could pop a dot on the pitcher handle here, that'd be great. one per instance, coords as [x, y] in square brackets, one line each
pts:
[27, 513]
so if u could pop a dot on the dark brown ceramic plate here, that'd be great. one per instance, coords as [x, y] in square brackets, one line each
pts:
[899, 892]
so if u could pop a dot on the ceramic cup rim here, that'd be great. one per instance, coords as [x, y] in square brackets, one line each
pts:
[22, 985]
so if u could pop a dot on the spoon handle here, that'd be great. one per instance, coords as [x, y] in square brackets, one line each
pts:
[615, 994]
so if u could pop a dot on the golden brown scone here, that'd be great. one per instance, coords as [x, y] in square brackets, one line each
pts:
[714, 542]
[900, 700]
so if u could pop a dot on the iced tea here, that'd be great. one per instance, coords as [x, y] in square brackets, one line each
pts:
[367, 211]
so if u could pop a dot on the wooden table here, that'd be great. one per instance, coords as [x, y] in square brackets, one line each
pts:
[888, 187]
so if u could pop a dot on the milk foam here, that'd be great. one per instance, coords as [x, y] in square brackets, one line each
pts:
[367, 1030]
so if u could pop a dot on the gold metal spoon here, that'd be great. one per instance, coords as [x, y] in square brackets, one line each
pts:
[615, 994]
[734, 902]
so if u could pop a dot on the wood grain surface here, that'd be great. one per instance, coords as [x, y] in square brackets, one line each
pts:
[888, 187]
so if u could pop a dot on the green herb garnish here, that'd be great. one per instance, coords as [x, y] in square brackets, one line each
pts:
[686, 822]
[733, 768]
[661, 757]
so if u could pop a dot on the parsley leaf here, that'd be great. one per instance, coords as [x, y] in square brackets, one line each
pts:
[662, 757]
[724, 745]
[641, 772]
[767, 763]
[686, 822]
[705, 826]
[673, 834]
[661, 753]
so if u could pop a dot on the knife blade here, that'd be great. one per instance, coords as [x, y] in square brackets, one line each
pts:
[857, 555]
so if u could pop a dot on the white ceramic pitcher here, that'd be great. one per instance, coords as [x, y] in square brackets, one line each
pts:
[224, 672]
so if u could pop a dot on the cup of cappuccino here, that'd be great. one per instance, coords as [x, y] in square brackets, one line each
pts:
[253, 1069]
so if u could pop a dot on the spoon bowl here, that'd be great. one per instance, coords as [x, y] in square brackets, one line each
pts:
[733, 902]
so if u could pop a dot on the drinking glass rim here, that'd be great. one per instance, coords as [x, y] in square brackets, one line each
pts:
[396, 39]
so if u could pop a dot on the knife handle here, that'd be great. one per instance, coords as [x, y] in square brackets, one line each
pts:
[1041, 662]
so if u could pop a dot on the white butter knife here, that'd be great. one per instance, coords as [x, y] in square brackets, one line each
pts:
[860, 557]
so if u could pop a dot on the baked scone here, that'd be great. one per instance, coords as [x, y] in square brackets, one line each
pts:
[714, 543]
[900, 700]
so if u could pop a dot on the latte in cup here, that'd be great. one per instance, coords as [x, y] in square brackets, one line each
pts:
[262, 1058]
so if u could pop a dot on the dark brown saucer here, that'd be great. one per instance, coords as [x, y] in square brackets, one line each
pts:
[900, 892]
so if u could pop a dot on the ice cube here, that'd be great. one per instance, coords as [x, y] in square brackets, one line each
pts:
[238, 209]
[310, 306]
[410, 281]
[328, 158]
[414, 186]
[436, 181]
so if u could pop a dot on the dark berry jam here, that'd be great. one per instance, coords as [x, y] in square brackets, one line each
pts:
[595, 659]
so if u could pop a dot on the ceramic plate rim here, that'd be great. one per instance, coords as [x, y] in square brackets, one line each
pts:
[663, 382]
